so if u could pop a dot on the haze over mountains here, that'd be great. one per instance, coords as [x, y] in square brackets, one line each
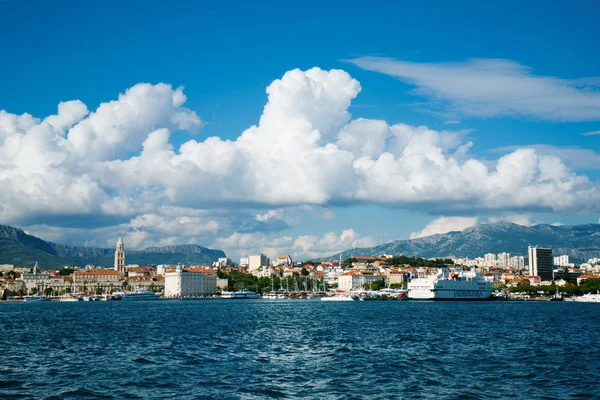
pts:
[19, 248]
[580, 242]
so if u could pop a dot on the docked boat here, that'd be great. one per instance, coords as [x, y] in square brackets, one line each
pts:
[240, 294]
[450, 285]
[588, 298]
[35, 297]
[340, 297]
[69, 298]
[137, 295]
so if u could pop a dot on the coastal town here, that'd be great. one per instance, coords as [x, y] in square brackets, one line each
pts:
[538, 275]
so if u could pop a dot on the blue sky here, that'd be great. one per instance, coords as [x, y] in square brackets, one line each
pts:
[225, 55]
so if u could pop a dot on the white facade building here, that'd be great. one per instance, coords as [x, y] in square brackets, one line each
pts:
[354, 280]
[562, 261]
[331, 275]
[222, 262]
[518, 262]
[183, 283]
[244, 260]
[256, 261]
[503, 259]
[490, 259]
[283, 260]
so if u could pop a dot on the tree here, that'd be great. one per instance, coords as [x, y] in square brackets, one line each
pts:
[304, 272]
[221, 274]
[349, 261]
[66, 271]
[376, 285]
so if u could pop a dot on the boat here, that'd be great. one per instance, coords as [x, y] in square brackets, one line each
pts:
[450, 285]
[588, 298]
[240, 294]
[388, 293]
[137, 295]
[35, 297]
[68, 297]
[340, 297]
[272, 295]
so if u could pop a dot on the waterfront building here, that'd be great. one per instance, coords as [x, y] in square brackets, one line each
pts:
[354, 280]
[183, 282]
[331, 274]
[102, 276]
[540, 262]
[36, 278]
[120, 257]
[256, 261]
[396, 276]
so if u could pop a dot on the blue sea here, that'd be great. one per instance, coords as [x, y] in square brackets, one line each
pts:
[254, 349]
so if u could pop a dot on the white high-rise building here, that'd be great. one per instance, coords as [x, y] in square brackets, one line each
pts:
[183, 283]
[222, 262]
[256, 261]
[517, 262]
[503, 259]
[120, 257]
[490, 259]
[562, 261]
[244, 260]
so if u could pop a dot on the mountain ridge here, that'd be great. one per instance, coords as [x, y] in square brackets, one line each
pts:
[20, 248]
[580, 242]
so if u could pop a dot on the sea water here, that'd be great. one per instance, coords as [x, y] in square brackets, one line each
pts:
[251, 349]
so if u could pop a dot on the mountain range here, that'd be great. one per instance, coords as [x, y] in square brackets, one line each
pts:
[580, 242]
[19, 248]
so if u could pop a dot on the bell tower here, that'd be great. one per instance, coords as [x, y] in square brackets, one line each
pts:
[120, 257]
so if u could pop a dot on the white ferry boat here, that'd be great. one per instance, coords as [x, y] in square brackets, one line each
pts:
[69, 298]
[340, 297]
[240, 294]
[137, 294]
[448, 285]
[35, 297]
[588, 298]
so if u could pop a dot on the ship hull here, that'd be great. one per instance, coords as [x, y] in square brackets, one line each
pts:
[450, 286]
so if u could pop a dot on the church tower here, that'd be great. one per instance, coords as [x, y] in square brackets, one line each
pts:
[120, 257]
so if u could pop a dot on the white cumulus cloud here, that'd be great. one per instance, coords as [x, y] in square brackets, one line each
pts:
[445, 225]
[305, 156]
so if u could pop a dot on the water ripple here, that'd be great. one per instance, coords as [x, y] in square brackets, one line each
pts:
[299, 349]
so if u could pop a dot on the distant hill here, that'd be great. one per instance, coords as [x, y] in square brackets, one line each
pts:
[19, 248]
[580, 242]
